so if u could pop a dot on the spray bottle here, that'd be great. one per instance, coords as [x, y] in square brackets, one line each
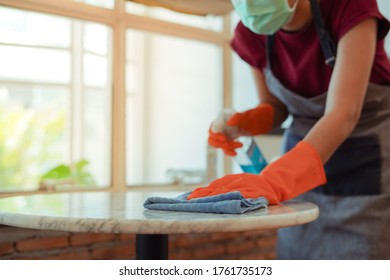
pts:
[249, 157]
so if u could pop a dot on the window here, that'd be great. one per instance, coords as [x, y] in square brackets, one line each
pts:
[61, 105]
[55, 101]
[174, 91]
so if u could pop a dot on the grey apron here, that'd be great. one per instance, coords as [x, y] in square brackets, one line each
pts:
[354, 221]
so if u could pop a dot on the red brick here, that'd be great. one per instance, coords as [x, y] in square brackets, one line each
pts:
[181, 255]
[6, 248]
[270, 255]
[234, 245]
[253, 255]
[78, 239]
[39, 244]
[114, 252]
[211, 251]
[126, 236]
[26, 257]
[225, 236]
[77, 255]
[260, 233]
[266, 243]
[188, 240]
[240, 247]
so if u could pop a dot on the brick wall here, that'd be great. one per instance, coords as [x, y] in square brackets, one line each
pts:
[28, 244]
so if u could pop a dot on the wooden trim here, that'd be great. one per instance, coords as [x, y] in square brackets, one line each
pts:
[173, 29]
[67, 8]
[227, 83]
[118, 143]
[193, 7]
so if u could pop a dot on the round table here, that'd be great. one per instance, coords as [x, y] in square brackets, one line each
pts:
[123, 212]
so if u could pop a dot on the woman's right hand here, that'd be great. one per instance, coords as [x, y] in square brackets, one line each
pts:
[256, 121]
[223, 136]
[230, 125]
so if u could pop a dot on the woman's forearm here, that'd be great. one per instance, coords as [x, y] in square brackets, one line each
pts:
[265, 96]
[326, 136]
[355, 54]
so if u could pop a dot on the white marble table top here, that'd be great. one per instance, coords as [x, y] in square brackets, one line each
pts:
[123, 212]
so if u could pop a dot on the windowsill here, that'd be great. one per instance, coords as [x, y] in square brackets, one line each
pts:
[151, 188]
[74, 189]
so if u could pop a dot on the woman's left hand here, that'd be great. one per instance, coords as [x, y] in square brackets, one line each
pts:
[298, 171]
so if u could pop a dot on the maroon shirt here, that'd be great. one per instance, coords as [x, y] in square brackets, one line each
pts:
[298, 61]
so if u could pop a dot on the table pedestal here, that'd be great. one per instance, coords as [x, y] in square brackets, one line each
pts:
[151, 247]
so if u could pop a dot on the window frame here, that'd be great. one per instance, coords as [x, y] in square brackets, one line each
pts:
[120, 20]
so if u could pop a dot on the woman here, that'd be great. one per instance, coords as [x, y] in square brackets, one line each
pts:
[323, 62]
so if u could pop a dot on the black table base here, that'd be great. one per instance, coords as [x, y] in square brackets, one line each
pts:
[151, 247]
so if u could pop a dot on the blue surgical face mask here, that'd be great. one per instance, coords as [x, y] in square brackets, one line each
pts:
[264, 16]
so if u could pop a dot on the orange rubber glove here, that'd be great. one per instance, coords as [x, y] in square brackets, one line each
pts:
[255, 121]
[298, 171]
[252, 122]
[220, 140]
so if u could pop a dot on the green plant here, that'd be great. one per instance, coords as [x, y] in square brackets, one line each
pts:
[29, 139]
[76, 173]
[32, 141]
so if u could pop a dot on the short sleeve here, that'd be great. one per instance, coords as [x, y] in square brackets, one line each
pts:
[249, 46]
[346, 14]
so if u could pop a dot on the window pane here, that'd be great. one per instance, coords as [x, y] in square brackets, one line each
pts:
[176, 94]
[33, 130]
[96, 131]
[54, 129]
[95, 70]
[34, 64]
[29, 28]
[96, 38]
[205, 22]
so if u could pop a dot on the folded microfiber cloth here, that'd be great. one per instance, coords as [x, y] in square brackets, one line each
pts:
[227, 203]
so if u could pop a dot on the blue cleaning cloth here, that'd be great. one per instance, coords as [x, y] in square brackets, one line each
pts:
[227, 203]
